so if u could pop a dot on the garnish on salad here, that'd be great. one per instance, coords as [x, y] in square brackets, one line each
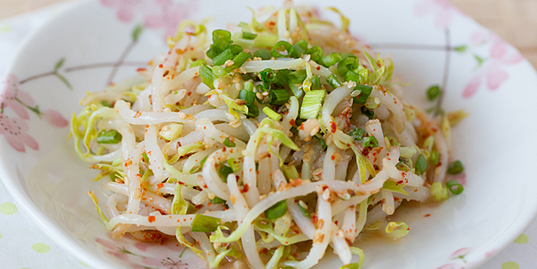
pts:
[265, 145]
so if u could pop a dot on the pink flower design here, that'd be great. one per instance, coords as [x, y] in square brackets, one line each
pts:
[11, 96]
[14, 130]
[155, 14]
[442, 11]
[460, 253]
[55, 119]
[492, 72]
[451, 266]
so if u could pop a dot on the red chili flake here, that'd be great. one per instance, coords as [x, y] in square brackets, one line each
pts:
[224, 149]
[246, 188]
[189, 93]
[301, 126]
[333, 157]
[151, 219]
[333, 127]
[141, 69]
[166, 73]
[160, 185]
[318, 68]
[428, 215]
[315, 219]
[292, 122]
[161, 66]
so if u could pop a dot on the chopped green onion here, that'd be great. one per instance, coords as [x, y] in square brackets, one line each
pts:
[290, 172]
[438, 192]
[333, 81]
[349, 63]
[393, 141]
[365, 91]
[248, 36]
[272, 114]
[357, 133]
[207, 76]
[299, 48]
[298, 77]
[281, 46]
[331, 59]
[370, 142]
[296, 91]
[247, 96]
[268, 76]
[434, 158]
[239, 60]
[253, 111]
[219, 71]
[321, 142]
[248, 86]
[397, 229]
[278, 97]
[455, 168]
[228, 143]
[311, 104]
[205, 224]
[276, 210]
[198, 62]
[316, 54]
[217, 200]
[315, 83]
[369, 113]
[263, 54]
[421, 165]
[109, 137]
[235, 165]
[454, 187]
[433, 92]
[221, 58]
[224, 171]
[372, 102]
[304, 211]
[401, 166]
[221, 41]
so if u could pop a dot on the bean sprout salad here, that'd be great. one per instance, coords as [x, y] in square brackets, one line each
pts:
[264, 145]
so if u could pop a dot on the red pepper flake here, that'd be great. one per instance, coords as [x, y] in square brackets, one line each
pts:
[137, 115]
[160, 185]
[428, 215]
[151, 219]
[318, 68]
[141, 69]
[333, 157]
[333, 127]
[161, 66]
[246, 188]
[301, 126]
[189, 93]
[166, 73]
[292, 122]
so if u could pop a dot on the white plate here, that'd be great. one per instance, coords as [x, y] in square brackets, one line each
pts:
[431, 43]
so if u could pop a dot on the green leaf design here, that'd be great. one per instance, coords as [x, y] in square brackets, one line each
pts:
[64, 80]
[479, 60]
[136, 32]
[461, 48]
[59, 64]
